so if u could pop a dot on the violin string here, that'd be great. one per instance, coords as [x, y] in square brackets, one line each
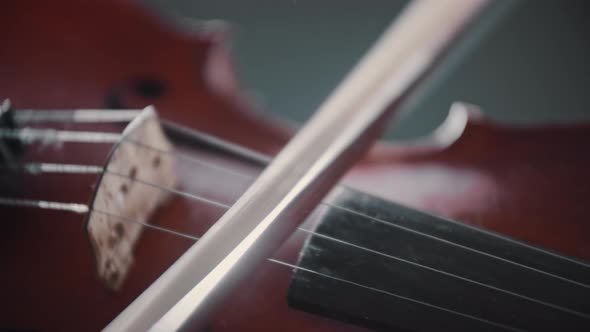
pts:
[506, 327]
[83, 209]
[40, 168]
[47, 205]
[422, 266]
[37, 168]
[189, 158]
[46, 136]
[95, 137]
[148, 225]
[80, 208]
[223, 205]
[172, 190]
[60, 116]
[389, 224]
[363, 215]
[24, 116]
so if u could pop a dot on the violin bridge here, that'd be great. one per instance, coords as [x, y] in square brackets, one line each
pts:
[123, 201]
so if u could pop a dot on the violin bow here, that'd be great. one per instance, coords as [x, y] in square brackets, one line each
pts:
[340, 132]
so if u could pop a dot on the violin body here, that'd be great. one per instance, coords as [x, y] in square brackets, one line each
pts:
[526, 183]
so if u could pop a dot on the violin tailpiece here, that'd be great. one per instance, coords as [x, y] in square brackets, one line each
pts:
[124, 201]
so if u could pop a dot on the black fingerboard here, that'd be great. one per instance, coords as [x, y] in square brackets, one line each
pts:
[387, 267]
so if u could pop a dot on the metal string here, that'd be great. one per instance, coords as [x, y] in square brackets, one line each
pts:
[46, 136]
[465, 247]
[70, 207]
[84, 168]
[37, 168]
[23, 116]
[342, 208]
[376, 252]
[50, 135]
[230, 171]
[93, 137]
[83, 209]
[188, 158]
[506, 327]
[80, 208]
[152, 226]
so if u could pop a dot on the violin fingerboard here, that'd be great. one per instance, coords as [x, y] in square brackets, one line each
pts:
[384, 266]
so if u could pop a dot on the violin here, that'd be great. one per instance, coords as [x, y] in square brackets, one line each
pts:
[480, 226]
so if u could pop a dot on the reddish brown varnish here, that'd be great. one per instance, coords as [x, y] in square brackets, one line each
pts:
[529, 183]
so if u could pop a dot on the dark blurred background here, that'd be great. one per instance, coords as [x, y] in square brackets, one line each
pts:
[526, 62]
